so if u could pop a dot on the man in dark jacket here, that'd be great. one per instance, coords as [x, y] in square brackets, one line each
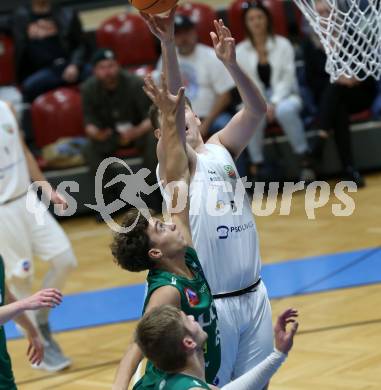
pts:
[49, 47]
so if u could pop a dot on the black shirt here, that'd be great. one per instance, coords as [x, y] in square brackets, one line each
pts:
[45, 51]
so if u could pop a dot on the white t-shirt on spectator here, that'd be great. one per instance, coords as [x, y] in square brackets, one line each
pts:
[204, 77]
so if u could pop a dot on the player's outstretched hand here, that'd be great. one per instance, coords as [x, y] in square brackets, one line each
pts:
[35, 351]
[224, 43]
[47, 298]
[283, 338]
[161, 97]
[163, 27]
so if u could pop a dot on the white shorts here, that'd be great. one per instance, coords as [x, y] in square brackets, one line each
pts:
[22, 238]
[246, 332]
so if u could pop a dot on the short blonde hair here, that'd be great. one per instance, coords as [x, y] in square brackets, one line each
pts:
[160, 335]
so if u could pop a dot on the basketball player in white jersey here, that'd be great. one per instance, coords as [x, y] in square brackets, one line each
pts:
[228, 244]
[22, 238]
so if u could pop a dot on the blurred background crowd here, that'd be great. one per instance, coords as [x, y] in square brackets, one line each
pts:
[78, 92]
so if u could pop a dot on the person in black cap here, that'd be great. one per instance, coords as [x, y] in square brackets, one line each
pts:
[116, 115]
[207, 82]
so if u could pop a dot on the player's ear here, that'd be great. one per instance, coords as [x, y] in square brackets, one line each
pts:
[155, 254]
[198, 120]
[189, 344]
[157, 133]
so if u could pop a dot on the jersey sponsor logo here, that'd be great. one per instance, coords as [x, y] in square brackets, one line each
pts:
[230, 171]
[192, 297]
[26, 264]
[225, 231]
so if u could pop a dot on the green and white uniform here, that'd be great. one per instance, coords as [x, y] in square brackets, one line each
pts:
[7, 381]
[196, 300]
[180, 382]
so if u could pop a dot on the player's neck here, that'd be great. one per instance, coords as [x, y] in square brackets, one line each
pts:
[196, 365]
[199, 145]
[176, 265]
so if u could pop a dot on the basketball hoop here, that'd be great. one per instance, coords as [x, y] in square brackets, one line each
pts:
[350, 32]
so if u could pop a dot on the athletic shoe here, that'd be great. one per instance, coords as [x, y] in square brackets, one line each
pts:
[47, 336]
[52, 361]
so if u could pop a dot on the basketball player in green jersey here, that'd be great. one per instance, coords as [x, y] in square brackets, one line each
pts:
[174, 341]
[175, 274]
[46, 298]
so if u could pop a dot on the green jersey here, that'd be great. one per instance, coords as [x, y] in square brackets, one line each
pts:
[7, 381]
[196, 300]
[180, 382]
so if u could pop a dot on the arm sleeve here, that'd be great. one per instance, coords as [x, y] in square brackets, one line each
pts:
[260, 375]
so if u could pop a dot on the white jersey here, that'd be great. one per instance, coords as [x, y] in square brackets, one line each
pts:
[14, 174]
[222, 225]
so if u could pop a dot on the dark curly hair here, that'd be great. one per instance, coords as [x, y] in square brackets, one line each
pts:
[130, 250]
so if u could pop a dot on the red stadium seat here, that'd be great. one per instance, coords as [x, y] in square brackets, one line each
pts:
[129, 37]
[203, 15]
[236, 23]
[7, 65]
[57, 114]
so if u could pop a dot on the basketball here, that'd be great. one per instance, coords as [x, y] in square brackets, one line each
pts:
[153, 6]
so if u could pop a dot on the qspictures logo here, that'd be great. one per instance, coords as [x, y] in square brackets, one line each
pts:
[219, 197]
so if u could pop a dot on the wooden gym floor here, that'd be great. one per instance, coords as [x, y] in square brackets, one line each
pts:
[338, 345]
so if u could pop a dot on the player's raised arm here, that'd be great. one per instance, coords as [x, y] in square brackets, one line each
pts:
[176, 167]
[163, 28]
[237, 133]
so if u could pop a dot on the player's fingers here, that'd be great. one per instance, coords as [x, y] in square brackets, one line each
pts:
[164, 85]
[150, 94]
[29, 349]
[173, 12]
[294, 328]
[180, 95]
[217, 27]
[149, 83]
[214, 38]
[227, 32]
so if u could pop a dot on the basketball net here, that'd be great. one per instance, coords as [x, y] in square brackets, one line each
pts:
[350, 32]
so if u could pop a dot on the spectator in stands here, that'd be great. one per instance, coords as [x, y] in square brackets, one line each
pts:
[269, 60]
[49, 47]
[335, 101]
[208, 84]
[116, 115]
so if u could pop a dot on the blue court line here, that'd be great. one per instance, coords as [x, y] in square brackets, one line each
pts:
[293, 277]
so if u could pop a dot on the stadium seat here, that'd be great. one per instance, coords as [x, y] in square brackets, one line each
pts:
[203, 15]
[129, 37]
[57, 114]
[7, 66]
[236, 23]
